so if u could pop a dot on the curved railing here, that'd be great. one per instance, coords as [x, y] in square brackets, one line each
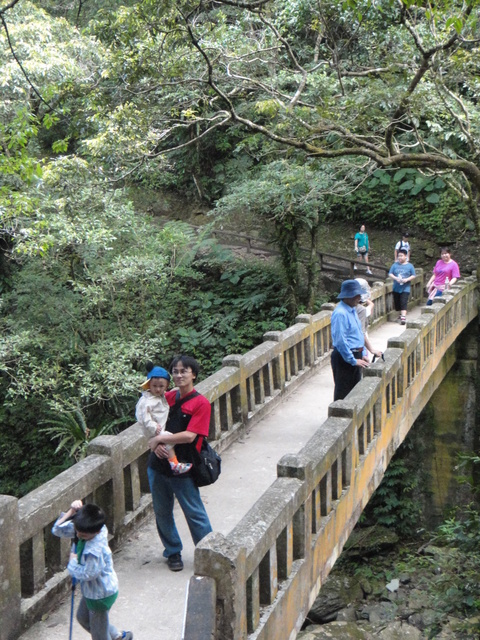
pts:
[264, 575]
[114, 472]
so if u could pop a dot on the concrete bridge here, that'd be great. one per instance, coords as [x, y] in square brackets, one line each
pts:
[278, 528]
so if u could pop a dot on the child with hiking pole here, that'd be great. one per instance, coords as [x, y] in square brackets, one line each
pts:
[91, 566]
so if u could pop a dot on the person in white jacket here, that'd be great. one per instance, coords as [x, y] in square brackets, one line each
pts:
[152, 412]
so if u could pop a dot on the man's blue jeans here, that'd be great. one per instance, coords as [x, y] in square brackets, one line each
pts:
[164, 489]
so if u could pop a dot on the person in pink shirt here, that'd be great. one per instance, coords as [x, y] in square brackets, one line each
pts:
[445, 273]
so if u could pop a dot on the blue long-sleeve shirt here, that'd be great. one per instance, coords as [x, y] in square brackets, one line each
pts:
[346, 331]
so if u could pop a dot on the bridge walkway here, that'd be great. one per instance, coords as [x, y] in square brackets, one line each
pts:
[152, 598]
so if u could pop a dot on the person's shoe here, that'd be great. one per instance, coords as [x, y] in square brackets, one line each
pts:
[180, 467]
[369, 271]
[403, 320]
[175, 562]
[125, 635]
[354, 267]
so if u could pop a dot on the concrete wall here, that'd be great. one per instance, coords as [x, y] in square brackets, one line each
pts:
[113, 475]
[269, 569]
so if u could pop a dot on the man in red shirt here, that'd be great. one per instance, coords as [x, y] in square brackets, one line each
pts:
[188, 423]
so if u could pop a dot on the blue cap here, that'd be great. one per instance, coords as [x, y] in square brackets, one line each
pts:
[350, 289]
[156, 372]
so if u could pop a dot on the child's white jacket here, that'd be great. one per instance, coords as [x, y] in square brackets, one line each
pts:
[150, 411]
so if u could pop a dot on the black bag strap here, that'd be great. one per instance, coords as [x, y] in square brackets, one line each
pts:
[179, 402]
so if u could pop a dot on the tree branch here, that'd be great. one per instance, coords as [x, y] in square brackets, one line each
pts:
[17, 60]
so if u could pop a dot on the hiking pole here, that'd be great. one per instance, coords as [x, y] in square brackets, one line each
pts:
[74, 582]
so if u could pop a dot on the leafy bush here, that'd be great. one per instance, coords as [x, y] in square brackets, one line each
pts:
[394, 503]
[97, 292]
[405, 199]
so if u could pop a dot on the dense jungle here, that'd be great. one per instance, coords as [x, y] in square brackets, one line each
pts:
[130, 130]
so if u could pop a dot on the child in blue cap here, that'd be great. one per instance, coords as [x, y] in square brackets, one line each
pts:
[152, 412]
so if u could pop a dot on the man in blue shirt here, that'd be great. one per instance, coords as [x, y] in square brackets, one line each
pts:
[402, 273]
[348, 341]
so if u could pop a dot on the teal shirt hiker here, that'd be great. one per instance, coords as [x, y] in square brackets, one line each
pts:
[362, 240]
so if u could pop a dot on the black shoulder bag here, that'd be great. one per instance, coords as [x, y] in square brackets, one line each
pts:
[207, 464]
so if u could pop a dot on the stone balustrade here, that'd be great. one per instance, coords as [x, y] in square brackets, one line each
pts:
[113, 474]
[267, 572]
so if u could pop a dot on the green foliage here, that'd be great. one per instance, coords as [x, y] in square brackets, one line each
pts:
[290, 198]
[98, 291]
[462, 529]
[404, 200]
[73, 434]
[394, 504]
[249, 108]
[468, 468]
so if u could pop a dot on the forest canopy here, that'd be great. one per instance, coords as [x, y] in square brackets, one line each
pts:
[294, 112]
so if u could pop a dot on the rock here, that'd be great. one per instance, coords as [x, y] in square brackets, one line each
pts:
[370, 540]
[399, 631]
[404, 612]
[379, 612]
[393, 585]
[455, 626]
[418, 599]
[347, 615]
[337, 593]
[425, 618]
[336, 631]
[366, 586]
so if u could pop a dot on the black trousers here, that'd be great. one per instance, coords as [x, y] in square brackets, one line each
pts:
[345, 376]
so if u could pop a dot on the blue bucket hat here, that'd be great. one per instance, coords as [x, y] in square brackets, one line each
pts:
[156, 372]
[350, 289]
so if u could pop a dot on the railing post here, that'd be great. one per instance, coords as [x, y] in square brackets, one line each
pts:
[224, 561]
[309, 353]
[112, 495]
[10, 588]
[279, 366]
[200, 612]
[235, 360]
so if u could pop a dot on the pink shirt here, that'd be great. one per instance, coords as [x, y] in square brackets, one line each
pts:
[444, 270]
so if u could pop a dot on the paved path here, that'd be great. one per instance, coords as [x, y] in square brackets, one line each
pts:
[152, 598]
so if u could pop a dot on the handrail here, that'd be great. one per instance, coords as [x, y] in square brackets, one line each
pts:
[114, 472]
[269, 568]
[251, 241]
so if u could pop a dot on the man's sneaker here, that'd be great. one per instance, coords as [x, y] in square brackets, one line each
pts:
[369, 271]
[180, 467]
[175, 562]
[403, 320]
[354, 267]
[126, 635]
